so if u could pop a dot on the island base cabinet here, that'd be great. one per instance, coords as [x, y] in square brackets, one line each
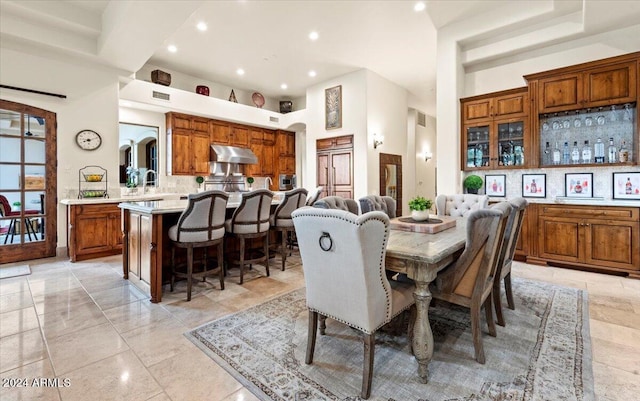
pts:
[94, 231]
[605, 238]
[139, 251]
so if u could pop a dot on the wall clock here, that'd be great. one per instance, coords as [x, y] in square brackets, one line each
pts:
[88, 139]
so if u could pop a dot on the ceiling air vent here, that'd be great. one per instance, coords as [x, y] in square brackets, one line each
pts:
[422, 119]
[274, 119]
[161, 96]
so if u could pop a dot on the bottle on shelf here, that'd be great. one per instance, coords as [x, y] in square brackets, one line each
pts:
[478, 155]
[548, 157]
[556, 154]
[628, 187]
[471, 156]
[575, 153]
[613, 152]
[623, 153]
[586, 153]
[566, 155]
[599, 151]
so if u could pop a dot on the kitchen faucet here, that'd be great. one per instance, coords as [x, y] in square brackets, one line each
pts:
[145, 180]
[268, 183]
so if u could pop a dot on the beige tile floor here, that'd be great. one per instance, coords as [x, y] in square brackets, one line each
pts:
[82, 322]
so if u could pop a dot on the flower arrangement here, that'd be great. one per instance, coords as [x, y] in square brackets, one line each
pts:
[132, 177]
[420, 203]
[472, 183]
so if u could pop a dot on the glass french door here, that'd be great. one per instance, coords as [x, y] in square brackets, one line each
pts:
[27, 182]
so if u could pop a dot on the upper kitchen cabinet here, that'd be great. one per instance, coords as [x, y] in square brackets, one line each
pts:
[220, 132]
[605, 82]
[495, 130]
[188, 142]
[239, 136]
[263, 144]
[286, 143]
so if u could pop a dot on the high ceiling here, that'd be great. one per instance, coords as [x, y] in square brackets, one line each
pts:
[269, 39]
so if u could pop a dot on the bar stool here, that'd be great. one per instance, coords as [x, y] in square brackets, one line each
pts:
[281, 219]
[201, 225]
[251, 220]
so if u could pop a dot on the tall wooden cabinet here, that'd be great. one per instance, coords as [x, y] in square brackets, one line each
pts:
[263, 144]
[286, 149]
[335, 166]
[188, 142]
[94, 231]
[495, 130]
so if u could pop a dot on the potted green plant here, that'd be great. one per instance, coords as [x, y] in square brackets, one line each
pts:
[199, 180]
[250, 181]
[472, 183]
[420, 207]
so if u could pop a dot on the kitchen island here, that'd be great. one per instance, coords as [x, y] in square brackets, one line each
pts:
[146, 252]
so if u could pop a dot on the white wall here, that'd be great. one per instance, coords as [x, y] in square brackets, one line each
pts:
[91, 103]
[426, 141]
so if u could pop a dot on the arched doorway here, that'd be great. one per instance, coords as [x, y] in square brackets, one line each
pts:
[28, 177]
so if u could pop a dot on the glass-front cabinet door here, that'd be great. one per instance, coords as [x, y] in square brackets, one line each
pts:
[511, 143]
[496, 144]
[477, 146]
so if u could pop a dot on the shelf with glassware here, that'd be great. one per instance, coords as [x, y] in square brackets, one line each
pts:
[496, 144]
[588, 137]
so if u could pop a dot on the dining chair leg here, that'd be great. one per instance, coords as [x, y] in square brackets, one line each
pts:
[367, 373]
[509, 291]
[283, 248]
[323, 325]
[311, 336]
[173, 266]
[189, 271]
[488, 310]
[221, 264]
[476, 332]
[498, 303]
[266, 252]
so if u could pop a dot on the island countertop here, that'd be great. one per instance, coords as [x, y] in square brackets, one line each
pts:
[134, 198]
[172, 206]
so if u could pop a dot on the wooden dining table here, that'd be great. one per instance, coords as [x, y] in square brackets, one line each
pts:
[421, 256]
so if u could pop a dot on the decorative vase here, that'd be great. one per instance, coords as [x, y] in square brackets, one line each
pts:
[420, 215]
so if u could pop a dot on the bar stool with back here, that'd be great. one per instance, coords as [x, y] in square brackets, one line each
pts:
[281, 219]
[251, 220]
[201, 225]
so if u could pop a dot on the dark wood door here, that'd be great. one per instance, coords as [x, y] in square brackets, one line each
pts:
[341, 173]
[322, 173]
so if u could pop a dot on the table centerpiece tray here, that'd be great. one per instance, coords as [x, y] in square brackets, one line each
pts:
[433, 225]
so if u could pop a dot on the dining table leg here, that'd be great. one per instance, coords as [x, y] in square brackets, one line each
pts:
[422, 335]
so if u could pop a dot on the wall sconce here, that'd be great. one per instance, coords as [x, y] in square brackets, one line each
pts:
[377, 140]
[428, 156]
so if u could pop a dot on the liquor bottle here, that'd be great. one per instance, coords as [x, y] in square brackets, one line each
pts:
[565, 153]
[556, 154]
[628, 188]
[548, 157]
[623, 153]
[599, 151]
[575, 153]
[586, 152]
[471, 156]
[479, 155]
[613, 152]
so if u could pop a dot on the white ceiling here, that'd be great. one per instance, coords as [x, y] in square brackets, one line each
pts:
[269, 39]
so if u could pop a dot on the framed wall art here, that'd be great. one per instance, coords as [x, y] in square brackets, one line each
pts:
[626, 186]
[495, 185]
[333, 107]
[578, 185]
[534, 185]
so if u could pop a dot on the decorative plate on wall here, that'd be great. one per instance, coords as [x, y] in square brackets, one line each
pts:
[258, 99]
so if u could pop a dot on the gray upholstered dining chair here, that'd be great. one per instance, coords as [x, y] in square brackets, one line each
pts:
[337, 202]
[313, 196]
[503, 272]
[384, 204]
[468, 281]
[251, 220]
[200, 225]
[460, 205]
[281, 221]
[343, 258]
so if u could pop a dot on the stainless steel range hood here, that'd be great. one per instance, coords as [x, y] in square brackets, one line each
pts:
[232, 154]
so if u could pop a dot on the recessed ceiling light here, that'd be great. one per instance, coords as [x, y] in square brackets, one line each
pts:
[312, 73]
[419, 6]
[240, 71]
[314, 35]
[283, 86]
[201, 26]
[172, 48]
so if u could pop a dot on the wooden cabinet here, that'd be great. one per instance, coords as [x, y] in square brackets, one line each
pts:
[263, 144]
[334, 160]
[94, 231]
[600, 237]
[188, 142]
[239, 136]
[286, 143]
[220, 132]
[495, 130]
[138, 255]
[594, 87]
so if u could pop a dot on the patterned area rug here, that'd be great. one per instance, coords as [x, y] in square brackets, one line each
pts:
[543, 353]
[14, 271]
